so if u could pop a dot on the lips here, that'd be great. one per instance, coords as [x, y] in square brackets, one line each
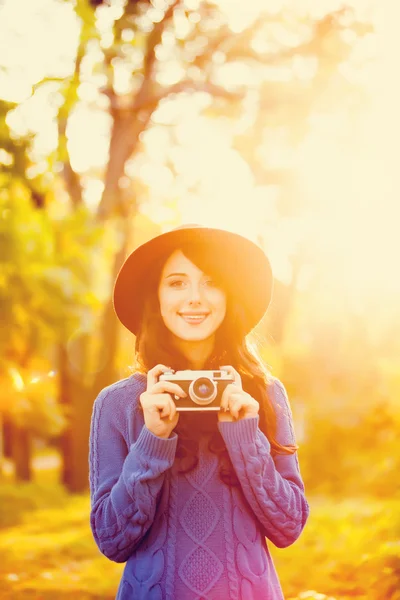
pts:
[194, 318]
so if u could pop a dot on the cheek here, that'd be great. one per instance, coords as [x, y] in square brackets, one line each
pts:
[219, 301]
[168, 302]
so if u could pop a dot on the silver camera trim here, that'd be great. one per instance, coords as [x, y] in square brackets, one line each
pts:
[193, 375]
[189, 374]
[197, 399]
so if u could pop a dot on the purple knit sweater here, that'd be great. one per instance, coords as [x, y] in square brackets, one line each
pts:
[190, 536]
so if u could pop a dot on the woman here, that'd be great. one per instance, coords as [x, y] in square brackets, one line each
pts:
[187, 499]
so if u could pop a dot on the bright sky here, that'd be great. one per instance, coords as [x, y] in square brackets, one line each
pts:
[356, 188]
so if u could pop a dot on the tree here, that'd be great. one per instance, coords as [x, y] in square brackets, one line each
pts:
[136, 44]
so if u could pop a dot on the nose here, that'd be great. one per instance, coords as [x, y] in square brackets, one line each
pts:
[194, 294]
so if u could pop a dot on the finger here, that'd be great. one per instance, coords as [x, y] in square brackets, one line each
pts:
[243, 403]
[154, 373]
[155, 402]
[163, 405]
[172, 411]
[226, 395]
[165, 412]
[230, 389]
[236, 404]
[224, 404]
[168, 386]
[238, 401]
[234, 373]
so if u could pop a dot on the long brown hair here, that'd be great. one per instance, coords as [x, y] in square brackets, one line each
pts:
[153, 346]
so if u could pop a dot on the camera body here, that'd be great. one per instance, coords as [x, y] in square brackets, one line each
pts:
[204, 388]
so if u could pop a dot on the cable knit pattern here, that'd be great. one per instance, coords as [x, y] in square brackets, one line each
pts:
[201, 568]
[278, 502]
[171, 547]
[189, 536]
[149, 564]
[229, 545]
[122, 514]
[251, 566]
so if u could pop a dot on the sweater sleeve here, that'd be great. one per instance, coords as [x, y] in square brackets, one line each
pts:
[271, 483]
[125, 482]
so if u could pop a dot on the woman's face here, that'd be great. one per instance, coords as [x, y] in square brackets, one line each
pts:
[192, 305]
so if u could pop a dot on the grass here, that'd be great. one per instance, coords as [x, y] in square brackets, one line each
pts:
[51, 554]
[349, 549]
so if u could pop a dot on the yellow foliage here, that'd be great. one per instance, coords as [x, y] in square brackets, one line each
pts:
[349, 548]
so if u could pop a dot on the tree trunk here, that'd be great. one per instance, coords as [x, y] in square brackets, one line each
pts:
[1, 448]
[21, 451]
[64, 399]
[75, 392]
[110, 325]
[76, 397]
[7, 437]
[81, 408]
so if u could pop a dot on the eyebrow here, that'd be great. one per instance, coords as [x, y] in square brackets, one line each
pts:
[176, 275]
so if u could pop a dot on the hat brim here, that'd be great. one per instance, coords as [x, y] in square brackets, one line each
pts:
[248, 264]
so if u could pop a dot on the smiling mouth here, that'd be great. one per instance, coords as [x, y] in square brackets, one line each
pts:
[194, 319]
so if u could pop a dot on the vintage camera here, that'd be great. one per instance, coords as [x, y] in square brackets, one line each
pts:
[204, 388]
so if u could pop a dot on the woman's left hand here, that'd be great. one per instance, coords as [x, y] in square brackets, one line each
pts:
[236, 404]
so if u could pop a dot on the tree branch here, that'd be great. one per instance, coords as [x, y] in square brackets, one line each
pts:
[239, 47]
[129, 123]
[188, 85]
[155, 38]
[71, 178]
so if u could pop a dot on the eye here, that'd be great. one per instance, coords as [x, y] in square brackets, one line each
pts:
[177, 283]
[209, 282]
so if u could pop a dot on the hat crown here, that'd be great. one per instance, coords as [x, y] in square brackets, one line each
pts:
[188, 226]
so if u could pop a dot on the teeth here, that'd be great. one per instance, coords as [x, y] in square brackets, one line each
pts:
[194, 318]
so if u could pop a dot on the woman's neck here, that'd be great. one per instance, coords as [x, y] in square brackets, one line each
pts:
[197, 353]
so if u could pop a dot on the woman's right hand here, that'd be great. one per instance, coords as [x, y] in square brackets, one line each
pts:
[159, 410]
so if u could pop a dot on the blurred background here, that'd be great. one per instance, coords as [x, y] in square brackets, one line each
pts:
[278, 120]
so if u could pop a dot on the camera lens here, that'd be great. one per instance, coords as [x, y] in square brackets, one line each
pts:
[202, 390]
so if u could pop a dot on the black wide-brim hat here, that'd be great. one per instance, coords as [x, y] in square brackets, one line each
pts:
[246, 265]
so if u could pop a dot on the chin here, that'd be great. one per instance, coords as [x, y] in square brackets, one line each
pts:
[195, 338]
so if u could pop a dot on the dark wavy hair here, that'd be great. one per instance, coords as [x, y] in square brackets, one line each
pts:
[153, 346]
